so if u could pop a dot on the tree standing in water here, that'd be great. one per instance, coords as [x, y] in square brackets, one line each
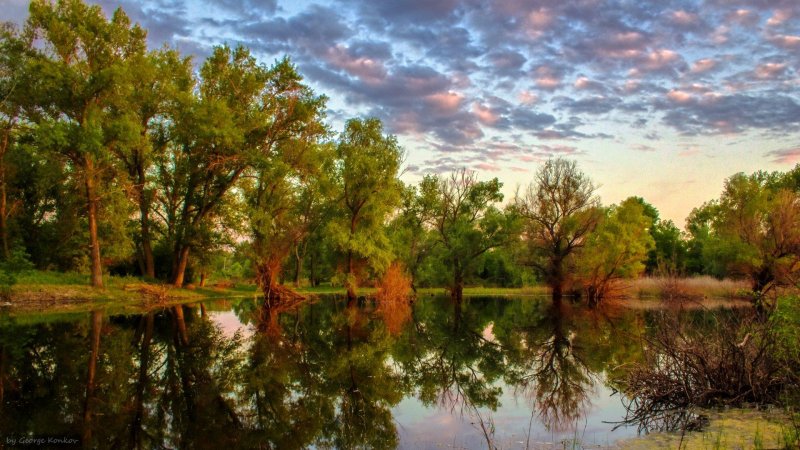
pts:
[559, 210]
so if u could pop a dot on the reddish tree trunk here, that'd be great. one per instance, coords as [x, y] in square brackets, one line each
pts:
[180, 266]
[94, 242]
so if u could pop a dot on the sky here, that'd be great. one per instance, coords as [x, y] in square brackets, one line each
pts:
[663, 99]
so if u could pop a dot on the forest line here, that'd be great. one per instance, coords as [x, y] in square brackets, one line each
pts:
[119, 159]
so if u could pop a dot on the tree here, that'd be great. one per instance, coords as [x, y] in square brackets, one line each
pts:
[615, 250]
[80, 75]
[412, 236]
[467, 222]
[559, 211]
[14, 54]
[212, 142]
[757, 230]
[366, 174]
[163, 80]
[285, 168]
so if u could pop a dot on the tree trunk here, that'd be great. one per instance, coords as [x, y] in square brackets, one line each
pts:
[203, 278]
[312, 272]
[350, 282]
[557, 280]
[457, 292]
[298, 266]
[97, 323]
[94, 243]
[3, 210]
[181, 262]
[2, 374]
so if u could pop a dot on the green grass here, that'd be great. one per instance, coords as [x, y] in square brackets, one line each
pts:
[53, 292]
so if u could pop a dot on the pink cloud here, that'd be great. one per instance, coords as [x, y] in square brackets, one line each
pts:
[547, 78]
[786, 155]
[786, 41]
[769, 71]
[447, 102]
[679, 96]
[779, 17]
[684, 18]
[703, 65]
[484, 114]
[366, 69]
[743, 17]
[528, 98]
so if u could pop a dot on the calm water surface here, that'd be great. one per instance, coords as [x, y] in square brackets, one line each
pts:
[518, 372]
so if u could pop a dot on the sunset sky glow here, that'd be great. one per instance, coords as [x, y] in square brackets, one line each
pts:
[662, 99]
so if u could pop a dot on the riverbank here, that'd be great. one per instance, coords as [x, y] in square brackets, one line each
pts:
[40, 291]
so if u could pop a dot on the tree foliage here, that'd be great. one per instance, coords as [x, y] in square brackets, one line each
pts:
[615, 250]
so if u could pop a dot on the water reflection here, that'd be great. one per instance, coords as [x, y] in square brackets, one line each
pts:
[323, 374]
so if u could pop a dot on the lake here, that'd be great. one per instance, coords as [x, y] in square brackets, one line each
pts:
[516, 372]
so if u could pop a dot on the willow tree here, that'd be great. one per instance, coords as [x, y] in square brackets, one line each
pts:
[367, 164]
[467, 221]
[286, 167]
[617, 249]
[163, 80]
[755, 230]
[559, 210]
[210, 144]
[80, 75]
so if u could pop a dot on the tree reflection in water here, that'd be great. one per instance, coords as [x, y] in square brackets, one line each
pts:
[322, 374]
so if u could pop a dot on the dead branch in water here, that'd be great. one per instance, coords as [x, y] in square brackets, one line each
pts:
[732, 364]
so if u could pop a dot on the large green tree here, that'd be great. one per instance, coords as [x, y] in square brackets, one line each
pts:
[286, 166]
[467, 221]
[163, 80]
[367, 165]
[213, 140]
[615, 250]
[756, 230]
[80, 74]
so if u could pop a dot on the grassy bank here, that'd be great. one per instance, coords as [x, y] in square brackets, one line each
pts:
[37, 291]
[56, 291]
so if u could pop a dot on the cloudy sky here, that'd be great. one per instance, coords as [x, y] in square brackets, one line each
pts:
[662, 99]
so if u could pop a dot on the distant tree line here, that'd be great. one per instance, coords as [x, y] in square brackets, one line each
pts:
[119, 159]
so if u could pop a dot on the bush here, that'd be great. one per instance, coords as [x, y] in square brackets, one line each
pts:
[17, 263]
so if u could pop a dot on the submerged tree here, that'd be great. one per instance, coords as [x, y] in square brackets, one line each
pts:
[367, 166]
[559, 210]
